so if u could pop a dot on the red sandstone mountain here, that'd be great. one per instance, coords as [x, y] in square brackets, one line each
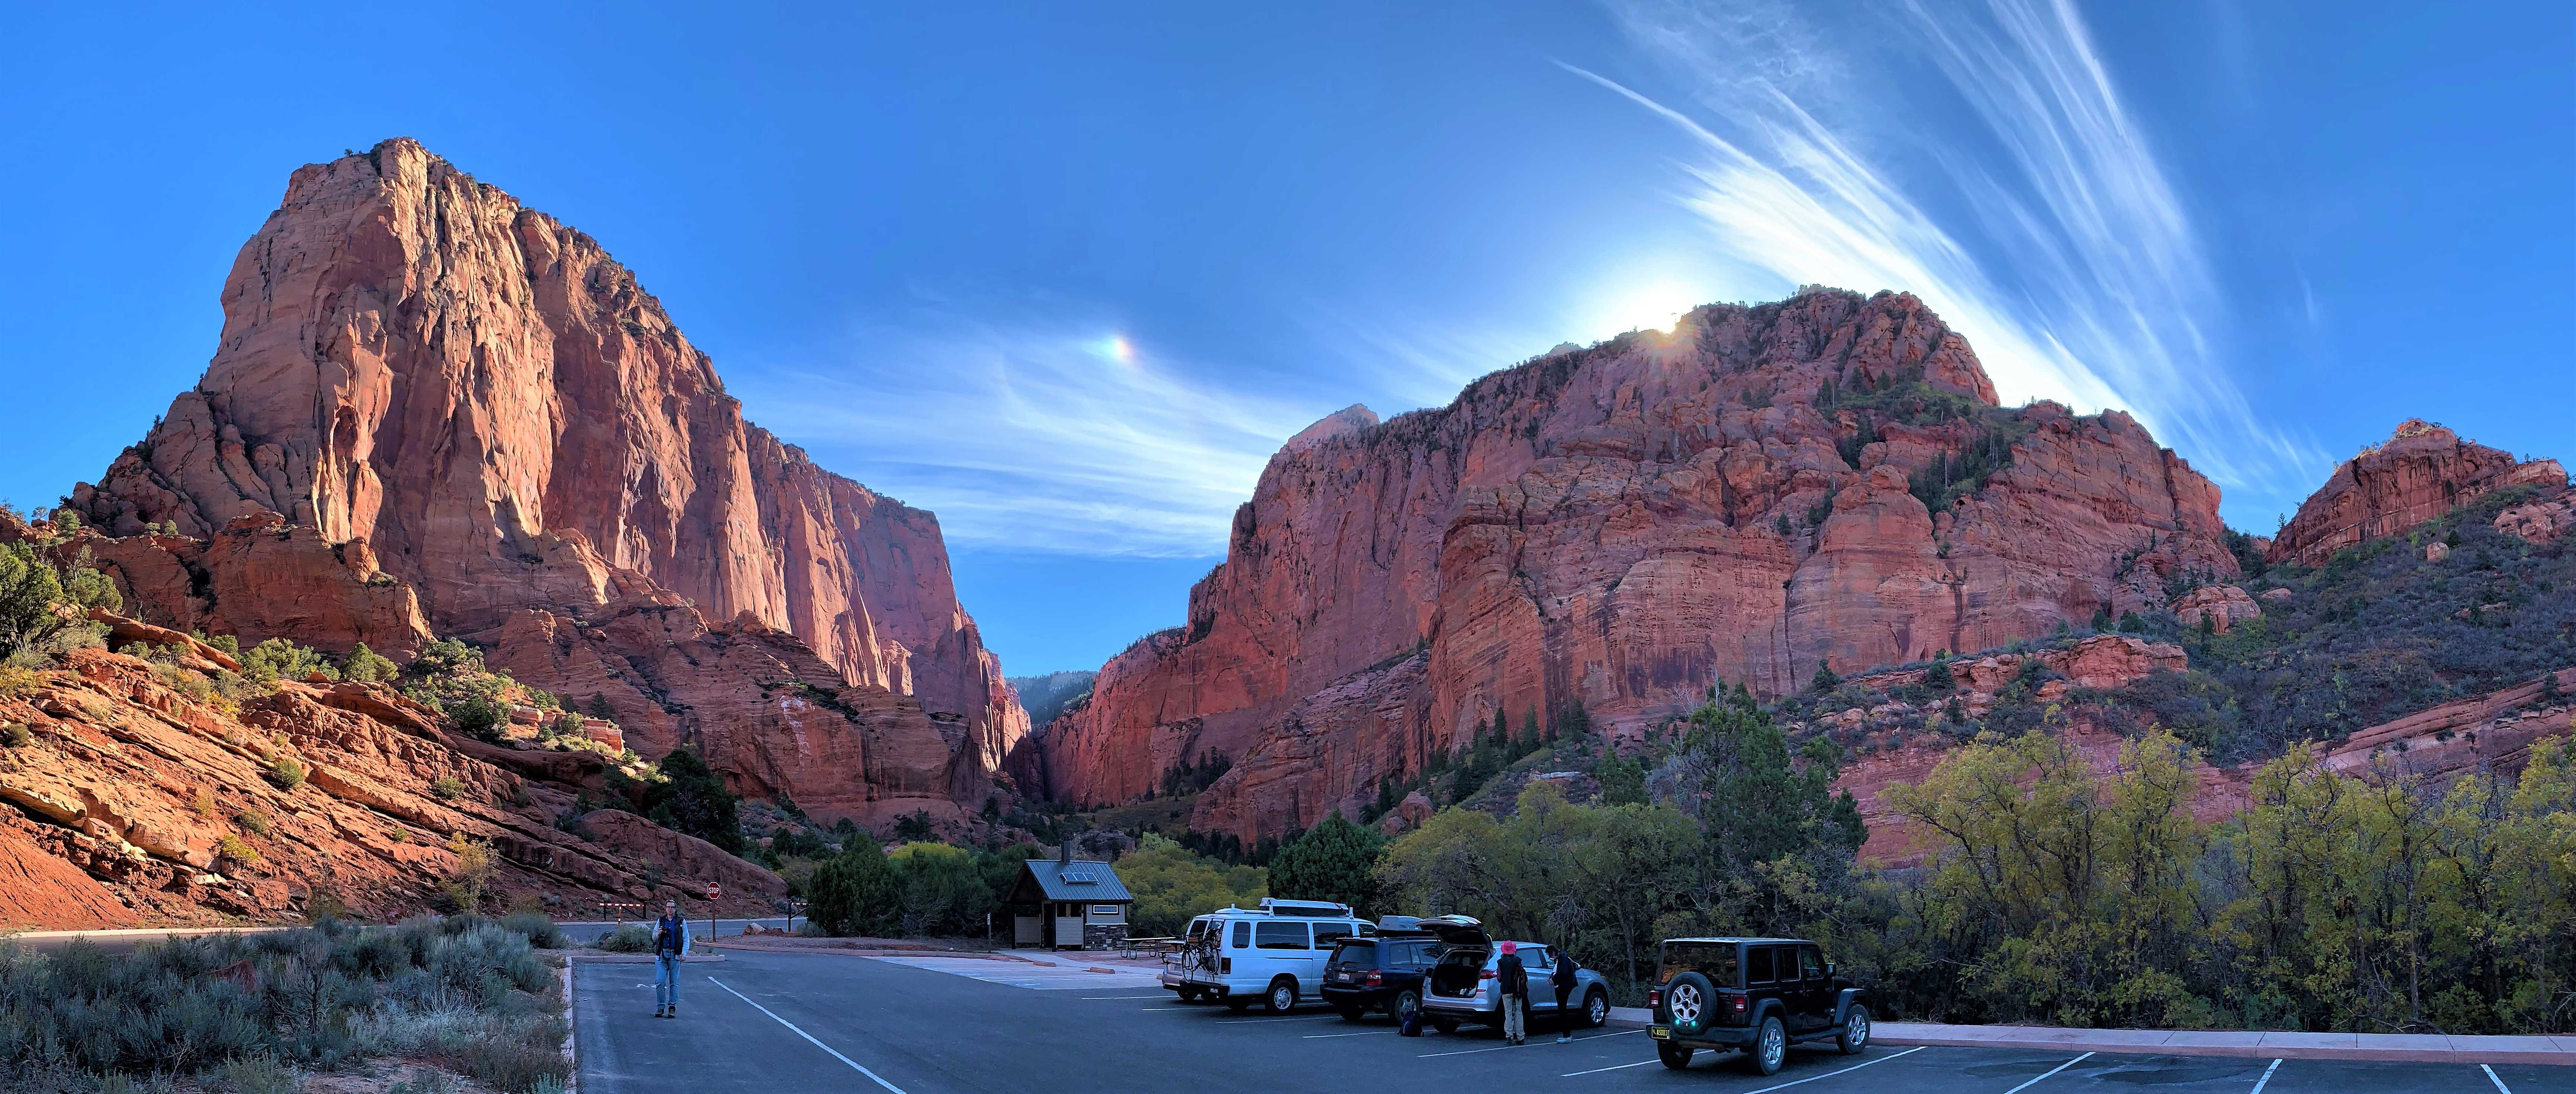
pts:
[1620, 527]
[125, 790]
[472, 421]
[2421, 472]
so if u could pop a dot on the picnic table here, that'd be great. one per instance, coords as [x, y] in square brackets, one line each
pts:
[1138, 946]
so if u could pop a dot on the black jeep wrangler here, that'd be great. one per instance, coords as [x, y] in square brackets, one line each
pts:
[1757, 994]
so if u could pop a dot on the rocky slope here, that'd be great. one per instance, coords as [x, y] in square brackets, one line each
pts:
[1620, 527]
[434, 410]
[133, 804]
[2420, 472]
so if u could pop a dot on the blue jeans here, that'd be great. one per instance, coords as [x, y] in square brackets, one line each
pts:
[666, 980]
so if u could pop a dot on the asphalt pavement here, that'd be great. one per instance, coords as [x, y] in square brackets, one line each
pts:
[771, 1022]
[583, 934]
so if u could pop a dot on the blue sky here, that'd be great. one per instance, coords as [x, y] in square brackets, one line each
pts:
[1066, 274]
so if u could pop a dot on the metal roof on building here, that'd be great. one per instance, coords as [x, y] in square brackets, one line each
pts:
[1078, 880]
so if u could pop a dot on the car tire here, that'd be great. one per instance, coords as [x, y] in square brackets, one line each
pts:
[1281, 998]
[1854, 1035]
[1404, 1000]
[1690, 1002]
[1189, 995]
[1674, 1056]
[1770, 1047]
[1445, 1025]
[1596, 1009]
[1350, 1012]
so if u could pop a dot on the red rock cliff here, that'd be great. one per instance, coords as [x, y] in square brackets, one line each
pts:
[1620, 527]
[2419, 473]
[477, 402]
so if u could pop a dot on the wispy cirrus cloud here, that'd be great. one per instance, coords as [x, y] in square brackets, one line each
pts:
[2007, 184]
[1068, 439]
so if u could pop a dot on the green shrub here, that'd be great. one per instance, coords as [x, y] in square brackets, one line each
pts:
[16, 735]
[233, 848]
[447, 787]
[279, 659]
[367, 666]
[286, 772]
[627, 939]
[539, 930]
[253, 823]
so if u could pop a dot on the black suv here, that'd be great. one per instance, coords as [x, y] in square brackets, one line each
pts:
[1756, 994]
[1384, 971]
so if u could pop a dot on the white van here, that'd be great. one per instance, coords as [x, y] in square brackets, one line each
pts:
[1272, 955]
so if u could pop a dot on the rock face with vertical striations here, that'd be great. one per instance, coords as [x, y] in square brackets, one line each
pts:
[1823, 480]
[2420, 472]
[466, 412]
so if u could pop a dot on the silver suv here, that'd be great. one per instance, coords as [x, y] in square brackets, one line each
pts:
[1462, 988]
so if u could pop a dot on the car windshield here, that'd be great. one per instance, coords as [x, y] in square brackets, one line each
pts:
[1715, 960]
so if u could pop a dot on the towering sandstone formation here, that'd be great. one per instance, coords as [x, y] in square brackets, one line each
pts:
[1620, 527]
[436, 411]
[2419, 473]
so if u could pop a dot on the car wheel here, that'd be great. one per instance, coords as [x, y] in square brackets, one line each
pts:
[1189, 995]
[1350, 1013]
[1674, 1056]
[1405, 1000]
[1691, 1002]
[1770, 1048]
[1445, 1025]
[1596, 1010]
[1855, 1032]
[1282, 997]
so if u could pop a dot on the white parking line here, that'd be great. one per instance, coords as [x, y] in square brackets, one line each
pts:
[836, 1054]
[2051, 1071]
[1092, 997]
[1499, 1048]
[1767, 1089]
[1362, 1033]
[2267, 1077]
[2491, 1077]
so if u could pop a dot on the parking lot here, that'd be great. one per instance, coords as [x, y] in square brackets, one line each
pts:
[796, 1022]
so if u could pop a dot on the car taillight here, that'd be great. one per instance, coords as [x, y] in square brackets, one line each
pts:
[1735, 1003]
[1227, 965]
[1375, 980]
[1488, 974]
[1655, 998]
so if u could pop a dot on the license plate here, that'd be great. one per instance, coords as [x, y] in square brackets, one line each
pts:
[1659, 1033]
[1343, 977]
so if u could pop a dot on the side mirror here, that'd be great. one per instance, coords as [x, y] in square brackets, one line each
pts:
[1829, 970]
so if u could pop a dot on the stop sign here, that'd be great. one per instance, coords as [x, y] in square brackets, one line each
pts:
[714, 890]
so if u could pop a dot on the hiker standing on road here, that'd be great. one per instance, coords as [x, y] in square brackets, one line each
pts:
[670, 943]
[1514, 981]
[1563, 979]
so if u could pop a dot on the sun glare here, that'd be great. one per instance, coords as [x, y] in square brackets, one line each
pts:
[1657, 307]
[1119, 348]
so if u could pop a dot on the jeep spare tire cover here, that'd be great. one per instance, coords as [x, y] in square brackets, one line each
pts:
[1692, 1002]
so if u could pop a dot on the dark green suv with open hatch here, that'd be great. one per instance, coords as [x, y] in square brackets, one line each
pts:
[1756, 994]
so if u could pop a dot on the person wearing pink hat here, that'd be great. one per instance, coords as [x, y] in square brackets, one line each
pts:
[1513, 980]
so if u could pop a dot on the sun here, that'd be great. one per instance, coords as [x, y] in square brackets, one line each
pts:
[1658, 306]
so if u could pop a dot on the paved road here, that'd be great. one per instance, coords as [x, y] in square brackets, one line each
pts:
[587, 933]
[796, 1022]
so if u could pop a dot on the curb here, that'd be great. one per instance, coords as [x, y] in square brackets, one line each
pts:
[2363, 1047]
[572, 1035]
